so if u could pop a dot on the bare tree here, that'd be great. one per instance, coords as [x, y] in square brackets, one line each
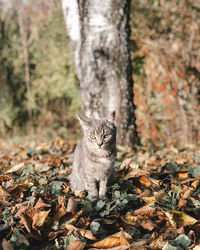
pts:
[99, 33]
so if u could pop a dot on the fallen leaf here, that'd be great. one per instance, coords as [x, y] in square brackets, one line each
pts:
[3, 194]
[111, 242]
[130, 219]
[6, 245]
[76, 244]
[144, 181]
[150, 200]
[182, 203]
[84, 233]
[180, 219]
[71, 206]
[148, 225]
[39, 218]
[182, 175]
[195, 184]
[41, 205]
[15, 169]
[145, 210]
[136, 173]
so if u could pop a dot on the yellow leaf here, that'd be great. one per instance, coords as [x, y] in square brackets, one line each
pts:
[130, 219]
[149, 200]
[180, 219]
[194, 184]
[39, 218]
[3, 194]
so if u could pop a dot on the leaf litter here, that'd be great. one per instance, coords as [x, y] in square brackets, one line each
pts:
[153, 204]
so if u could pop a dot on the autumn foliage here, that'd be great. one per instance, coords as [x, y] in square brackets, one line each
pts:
[154, 202]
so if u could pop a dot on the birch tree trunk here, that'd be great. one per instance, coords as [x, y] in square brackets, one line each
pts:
[99, 33]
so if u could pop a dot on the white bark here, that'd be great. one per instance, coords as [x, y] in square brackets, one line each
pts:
[98, 30]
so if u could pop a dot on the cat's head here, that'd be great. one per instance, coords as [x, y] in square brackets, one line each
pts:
[99, 134]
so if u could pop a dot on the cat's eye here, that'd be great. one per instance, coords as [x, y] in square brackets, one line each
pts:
[106, 136]
[93, 137]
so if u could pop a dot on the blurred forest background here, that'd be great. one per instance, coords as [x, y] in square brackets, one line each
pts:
[39, 91]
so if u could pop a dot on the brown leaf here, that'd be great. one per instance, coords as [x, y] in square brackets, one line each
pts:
[111, 242]
[84, 233]
[71, 206]
[148, 225]
[16, 169]
[122, 234]
[26, 214]
[76, 244]
[125, 164]
[3, 194]
[136, 173]
[53, 235]
[145, 210]
[6, 245]
[41, 205]
[182, 202]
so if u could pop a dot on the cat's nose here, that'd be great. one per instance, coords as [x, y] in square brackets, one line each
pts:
[99, 144]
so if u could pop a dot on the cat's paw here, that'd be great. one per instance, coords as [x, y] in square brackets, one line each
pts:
[103, 197]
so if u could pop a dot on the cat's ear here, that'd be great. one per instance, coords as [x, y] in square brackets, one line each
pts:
[111, 116]
[84, 120]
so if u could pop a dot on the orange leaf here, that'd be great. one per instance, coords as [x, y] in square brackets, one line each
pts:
[182, 203]
[111, 242]
[144, 181]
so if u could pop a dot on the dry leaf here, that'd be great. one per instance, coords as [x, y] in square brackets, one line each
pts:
[111, 242]
[182, 175]
[6, 245]
[144, 181]
[145, 210]
[182, 202]
[125, 164]
[76, 245]
[41, 205]
[84, 233]
[39, 218]
[15, 169]
[136, 173]
[180, 219]
[3, 194]
[148, 225]
[71, 206]
[150, 200]
[195, 184]
[130, 219]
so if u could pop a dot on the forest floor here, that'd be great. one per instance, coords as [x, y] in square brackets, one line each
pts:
[153, 204]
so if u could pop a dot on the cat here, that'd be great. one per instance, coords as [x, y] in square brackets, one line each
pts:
[94, 156]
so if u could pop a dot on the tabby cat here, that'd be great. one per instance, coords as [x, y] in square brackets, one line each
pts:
[94, 157]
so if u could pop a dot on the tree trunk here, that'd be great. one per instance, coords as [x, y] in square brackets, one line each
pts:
[99, 33]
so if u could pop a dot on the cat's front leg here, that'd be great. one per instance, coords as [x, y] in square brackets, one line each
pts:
[92, 188]
[103, 189]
